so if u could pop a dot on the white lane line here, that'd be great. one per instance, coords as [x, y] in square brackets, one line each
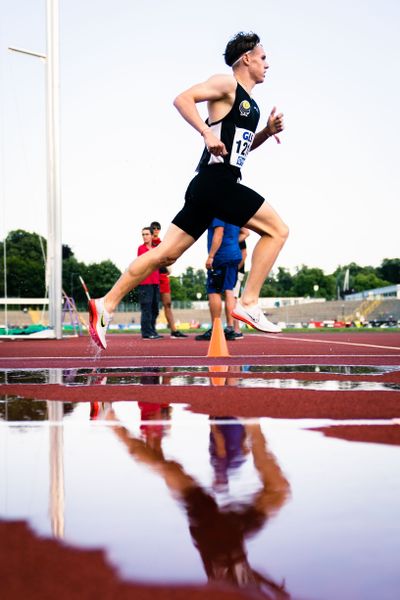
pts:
[309, 340]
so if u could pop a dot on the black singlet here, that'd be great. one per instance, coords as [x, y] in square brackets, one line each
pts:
[236, 130]
[215, 191]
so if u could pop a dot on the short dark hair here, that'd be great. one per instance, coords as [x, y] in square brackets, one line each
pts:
[240, 44]
[146, 229]
[154, 225]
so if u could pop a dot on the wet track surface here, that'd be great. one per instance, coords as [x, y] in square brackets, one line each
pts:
[278, 479]
[199, 496]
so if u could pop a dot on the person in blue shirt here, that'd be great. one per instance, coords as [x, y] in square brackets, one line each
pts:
[224, 256]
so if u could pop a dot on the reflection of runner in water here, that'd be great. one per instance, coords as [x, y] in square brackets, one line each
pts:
[98, 410]
[219, 534]
[152, 427]
[228, 449]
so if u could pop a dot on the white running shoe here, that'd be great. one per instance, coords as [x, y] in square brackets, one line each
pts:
[99, 319]
[254, 317]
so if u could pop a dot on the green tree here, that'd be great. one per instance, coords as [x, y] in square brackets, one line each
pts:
[390, 270]
[284, 282]
[26, 253]
[66, 252]
[368, 281]
[364, 277]
[306, 278]
[25, 265]
[178, 292]
[26, 275]
[29, 246]
[193, 283]
[70, 276]
[269, 288]
[25, 278]
[100, 277]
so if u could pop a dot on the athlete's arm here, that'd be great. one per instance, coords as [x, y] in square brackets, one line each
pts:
[243, 234]
[217, 89]
[273, 127]
[215, 245]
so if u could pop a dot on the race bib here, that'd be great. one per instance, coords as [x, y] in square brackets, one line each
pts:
[241, 146]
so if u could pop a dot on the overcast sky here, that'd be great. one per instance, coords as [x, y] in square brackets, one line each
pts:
[127, 155]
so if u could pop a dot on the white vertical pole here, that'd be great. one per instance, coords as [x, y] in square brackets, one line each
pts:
[54, 243]
[55, 412]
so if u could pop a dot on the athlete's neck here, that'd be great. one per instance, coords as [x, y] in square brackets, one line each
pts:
[247, 85]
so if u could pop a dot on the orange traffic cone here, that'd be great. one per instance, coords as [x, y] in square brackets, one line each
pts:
[218, 345]
[218, 369]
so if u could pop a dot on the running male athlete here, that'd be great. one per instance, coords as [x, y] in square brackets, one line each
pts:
[229, 134]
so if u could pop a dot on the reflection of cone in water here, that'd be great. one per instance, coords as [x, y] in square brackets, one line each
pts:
[218, 345]
[218, 369]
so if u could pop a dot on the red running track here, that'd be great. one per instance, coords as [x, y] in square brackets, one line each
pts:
[223, 396]
[130, 350]
[52, 570]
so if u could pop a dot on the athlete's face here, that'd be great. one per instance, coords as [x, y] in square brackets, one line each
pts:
[156, 232]
[258, 63]
[146, 235]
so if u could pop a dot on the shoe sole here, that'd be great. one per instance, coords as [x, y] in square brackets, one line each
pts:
[244, 320]
[93, 318]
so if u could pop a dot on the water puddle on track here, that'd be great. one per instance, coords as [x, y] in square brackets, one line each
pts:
[177, 497]
[246, 376]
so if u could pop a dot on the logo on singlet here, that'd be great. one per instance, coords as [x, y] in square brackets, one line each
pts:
[244, 108]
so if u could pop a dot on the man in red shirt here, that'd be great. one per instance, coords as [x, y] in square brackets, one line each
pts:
[165, 289]
[149, 294]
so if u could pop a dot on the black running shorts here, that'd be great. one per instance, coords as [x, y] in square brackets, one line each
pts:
[216, 193]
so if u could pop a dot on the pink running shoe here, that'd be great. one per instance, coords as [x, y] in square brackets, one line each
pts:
[254, 317]
[99, 319]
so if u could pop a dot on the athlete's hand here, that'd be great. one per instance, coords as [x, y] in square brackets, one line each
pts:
[209, 262]
[275, 124]
[213, 144]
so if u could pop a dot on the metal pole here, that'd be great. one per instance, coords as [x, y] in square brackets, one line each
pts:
[56, 454]
[5, 284]
[54, 243]
[29, 52]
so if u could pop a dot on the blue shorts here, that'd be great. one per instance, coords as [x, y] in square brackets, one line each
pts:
[222, 278]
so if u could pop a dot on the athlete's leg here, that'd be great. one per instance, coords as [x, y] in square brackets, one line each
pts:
[273, 234]
[155, 307]
[145, 293]
[167, 305]
[215, 304]
[174, 244]
[230, 302]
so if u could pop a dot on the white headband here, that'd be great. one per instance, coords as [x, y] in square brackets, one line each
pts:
[247, 52]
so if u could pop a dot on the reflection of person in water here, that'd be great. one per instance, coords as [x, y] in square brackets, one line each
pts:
[218, 533]
[228, 449]
[152, 427]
